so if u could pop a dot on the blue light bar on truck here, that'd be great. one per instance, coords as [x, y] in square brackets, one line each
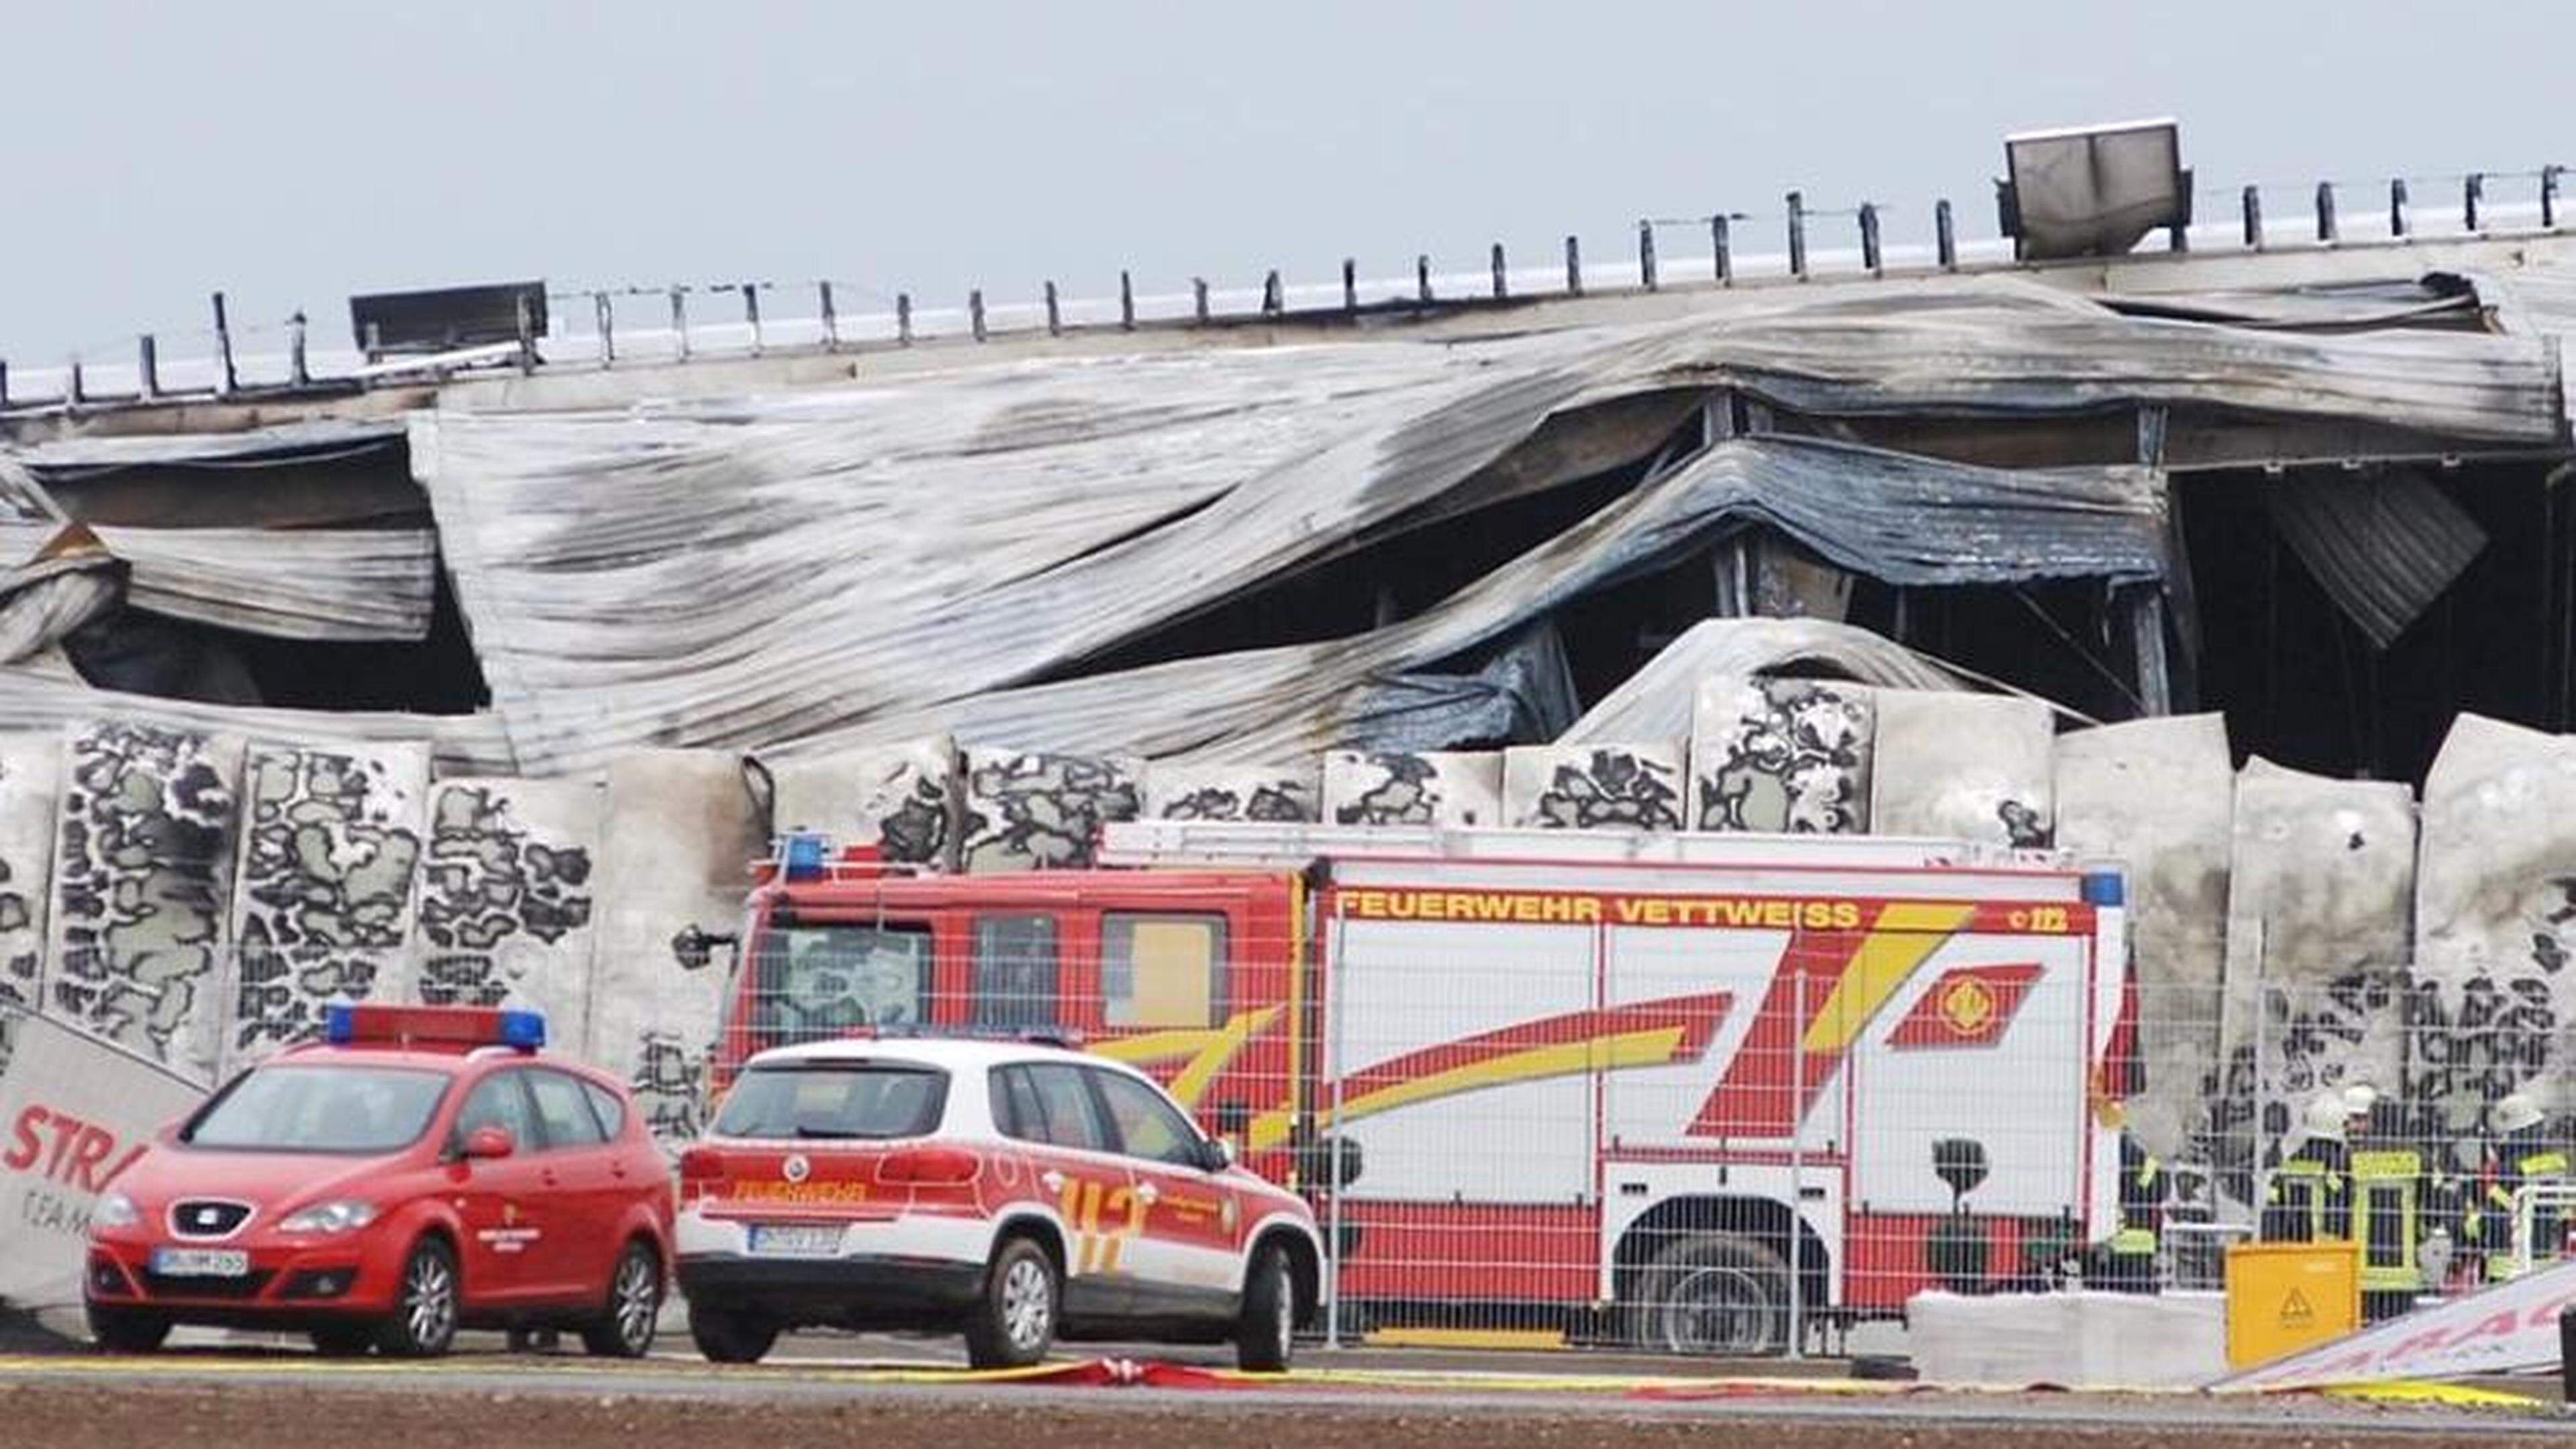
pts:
[803, 855]
[2105, 888]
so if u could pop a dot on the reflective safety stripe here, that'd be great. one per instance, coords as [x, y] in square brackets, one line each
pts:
[2133, 1243]
[2543, 1164]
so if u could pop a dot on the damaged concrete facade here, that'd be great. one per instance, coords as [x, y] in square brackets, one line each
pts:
[2190, 562]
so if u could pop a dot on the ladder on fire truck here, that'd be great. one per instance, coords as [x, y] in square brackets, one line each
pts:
[1290, 845]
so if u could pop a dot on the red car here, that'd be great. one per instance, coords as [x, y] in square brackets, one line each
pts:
[419, 1170]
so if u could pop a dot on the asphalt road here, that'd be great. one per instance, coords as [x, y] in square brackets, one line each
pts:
[282, 1400]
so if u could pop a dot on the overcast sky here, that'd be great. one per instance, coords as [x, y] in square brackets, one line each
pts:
[294, 153]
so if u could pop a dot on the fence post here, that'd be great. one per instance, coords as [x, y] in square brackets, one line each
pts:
[680, 322]
[975, 313]
[831, 317]
[1350, 284]
[2327, 231]
[147, 365]
[1945, 235]
[1126, 302]
[903, 318]
[1332, 1154]
[1870, 258]
[1798, 1169]
[1422, 277]
[2397, 207]
[1719, 238]
[1274, 294]
[295, 365]
[1646, 254]
[76, 391]
[1573, 267]
[1199, 299]
[1055, 313]
[1502, 288]
[605, 312]
[2253, 204]
[751, 313]
[4, 382]
[527, 335]
[2549, 196]
[2473, 189]
[224, 347]
[1798, 235]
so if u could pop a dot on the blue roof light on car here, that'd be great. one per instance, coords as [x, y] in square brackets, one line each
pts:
[525, 1030]
[356, 1023]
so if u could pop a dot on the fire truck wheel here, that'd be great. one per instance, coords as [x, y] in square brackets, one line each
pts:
[1269, 1323]
[729, 1335]
[127, 1330]
[1013, 1324]
[1713, 1294]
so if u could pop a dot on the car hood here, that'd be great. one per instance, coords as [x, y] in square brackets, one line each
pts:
[272, 1181]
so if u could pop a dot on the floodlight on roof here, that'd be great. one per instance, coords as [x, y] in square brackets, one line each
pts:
[2092, 191]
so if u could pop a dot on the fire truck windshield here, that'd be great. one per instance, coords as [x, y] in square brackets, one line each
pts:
[811, 982]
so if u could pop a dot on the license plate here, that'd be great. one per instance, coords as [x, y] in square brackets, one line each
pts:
[796, 1240]
[201, 1262]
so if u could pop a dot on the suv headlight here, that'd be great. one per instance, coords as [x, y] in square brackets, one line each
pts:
[115, 1210]
[330, 1217]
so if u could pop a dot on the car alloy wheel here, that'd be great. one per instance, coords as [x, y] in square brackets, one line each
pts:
[1028, 1304]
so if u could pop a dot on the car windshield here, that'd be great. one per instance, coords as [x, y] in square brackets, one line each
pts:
[355, 1110]
[834, 1099]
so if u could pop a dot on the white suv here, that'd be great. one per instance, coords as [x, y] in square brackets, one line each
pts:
[1019, 1193]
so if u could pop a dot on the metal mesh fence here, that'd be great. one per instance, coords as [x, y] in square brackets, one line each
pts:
[1730, 1140]
[1685, 1137]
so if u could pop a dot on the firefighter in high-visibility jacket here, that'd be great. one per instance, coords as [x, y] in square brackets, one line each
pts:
[2389, 1174]
[2310, 1200]
[2132, 1255]
[2525, 1153]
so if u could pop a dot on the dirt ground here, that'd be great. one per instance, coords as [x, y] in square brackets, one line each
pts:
[127, 1415]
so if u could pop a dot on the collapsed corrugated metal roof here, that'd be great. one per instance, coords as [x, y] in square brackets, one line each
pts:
[329, 584]
[55, 576]
[759, 570]
[1276, 703]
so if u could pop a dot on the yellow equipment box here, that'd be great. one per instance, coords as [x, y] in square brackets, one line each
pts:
[2287, 1296]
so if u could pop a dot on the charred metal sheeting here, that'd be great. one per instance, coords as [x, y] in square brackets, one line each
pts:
[1273, 703]
[2308, 309]
[1910, 520]
[2533, 302]
[55, 576]
[460, 744]
[2383, 544]
[1656, 702]
[782, 567]
[329, 584]
[70, 459]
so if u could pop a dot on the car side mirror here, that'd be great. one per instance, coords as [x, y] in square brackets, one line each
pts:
[489, 1142]
[1216, 1154]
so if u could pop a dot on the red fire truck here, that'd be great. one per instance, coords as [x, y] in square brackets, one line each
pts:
[1673, 1089]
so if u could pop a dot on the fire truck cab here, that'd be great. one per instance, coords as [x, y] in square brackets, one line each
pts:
[1676, 1090]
